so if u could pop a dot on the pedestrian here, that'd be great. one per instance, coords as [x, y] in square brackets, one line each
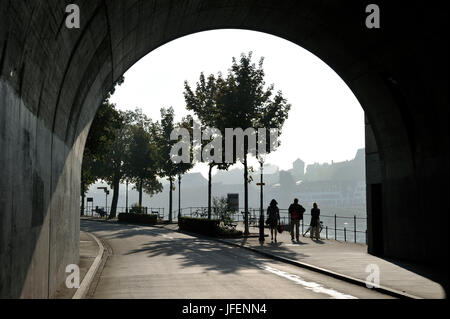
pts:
[273, 219]
[315, 222]
[296, 211]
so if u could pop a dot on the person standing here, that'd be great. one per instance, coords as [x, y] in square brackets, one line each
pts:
[296, 211]
[315, 222]
[273, 218]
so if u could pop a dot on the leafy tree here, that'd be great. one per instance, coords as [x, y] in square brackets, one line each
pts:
[183, 168]
[167, 168]
[101, 137]
[241, 100]
[204, 103]
[114, 163]
[143, 159]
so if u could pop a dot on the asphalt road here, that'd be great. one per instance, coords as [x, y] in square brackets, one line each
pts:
[157, 263]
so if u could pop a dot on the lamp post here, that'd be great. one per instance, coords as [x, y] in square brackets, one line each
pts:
[261, 216]
[179, 197]
[126, 208]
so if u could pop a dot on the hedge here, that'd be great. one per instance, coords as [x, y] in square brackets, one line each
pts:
[199, 225]
[206, 227]
[230, 233]
[138, 218]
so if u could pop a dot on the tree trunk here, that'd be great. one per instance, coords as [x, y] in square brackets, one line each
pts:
[209, 190]
[141, 183]
[246, 194]
[170, 200]
[115, 199]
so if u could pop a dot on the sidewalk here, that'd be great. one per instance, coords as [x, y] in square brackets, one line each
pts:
[88, 252]
[345, 258]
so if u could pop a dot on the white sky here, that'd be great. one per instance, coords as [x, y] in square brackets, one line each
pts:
[326, 121]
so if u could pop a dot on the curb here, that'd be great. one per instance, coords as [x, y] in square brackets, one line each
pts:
[84, 287]
[359, 282]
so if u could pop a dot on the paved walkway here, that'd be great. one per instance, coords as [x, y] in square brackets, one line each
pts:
[348, 259]
[158, 263]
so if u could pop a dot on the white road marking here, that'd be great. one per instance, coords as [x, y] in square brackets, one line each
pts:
[317, 288]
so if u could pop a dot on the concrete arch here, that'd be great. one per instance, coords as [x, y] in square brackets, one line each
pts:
[53, 78]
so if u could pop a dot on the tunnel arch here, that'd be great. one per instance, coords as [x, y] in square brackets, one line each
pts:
[53, 78]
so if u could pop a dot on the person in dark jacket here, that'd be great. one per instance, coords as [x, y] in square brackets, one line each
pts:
[315, 222]
[273, 219]
[296, 212]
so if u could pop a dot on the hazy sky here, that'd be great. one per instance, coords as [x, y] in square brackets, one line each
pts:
[326, 121]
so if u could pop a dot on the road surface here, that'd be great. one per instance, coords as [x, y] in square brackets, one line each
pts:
[157, 263]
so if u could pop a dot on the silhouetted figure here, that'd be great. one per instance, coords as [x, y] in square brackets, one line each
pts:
[296, 211]
[273, 218]
[315, 222]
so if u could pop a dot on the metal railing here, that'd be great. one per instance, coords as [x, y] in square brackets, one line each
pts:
[336, 227]
[93, 212]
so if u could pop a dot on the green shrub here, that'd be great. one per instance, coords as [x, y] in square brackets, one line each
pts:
[229, 233]
[138, 218]
[199, 225]
[207, 227]
[223, 211]
[136, 209]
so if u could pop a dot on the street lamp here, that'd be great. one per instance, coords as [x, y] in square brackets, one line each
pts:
[261, 159]
[126, 209]
[179, 197]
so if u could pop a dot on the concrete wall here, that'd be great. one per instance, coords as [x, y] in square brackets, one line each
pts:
[52, 79]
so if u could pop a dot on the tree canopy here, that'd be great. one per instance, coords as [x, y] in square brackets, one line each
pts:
[239, 100]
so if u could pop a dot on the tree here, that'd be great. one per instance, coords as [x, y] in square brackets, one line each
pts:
[204, 103]
[167, 168]
[183, 167]
[239, 101]
[101, 136]
[113, 164]
[143, 159]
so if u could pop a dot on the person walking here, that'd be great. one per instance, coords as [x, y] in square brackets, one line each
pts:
[315, 222]
[296, 212]
[273, 218]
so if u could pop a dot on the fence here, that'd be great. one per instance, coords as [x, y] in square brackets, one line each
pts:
[334, 227]
[92, 212]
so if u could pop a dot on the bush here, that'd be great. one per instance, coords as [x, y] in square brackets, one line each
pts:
[138, 218]
[207, 227]
[230, 233]
[199, 225]
[136, 209]
[223, 211]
